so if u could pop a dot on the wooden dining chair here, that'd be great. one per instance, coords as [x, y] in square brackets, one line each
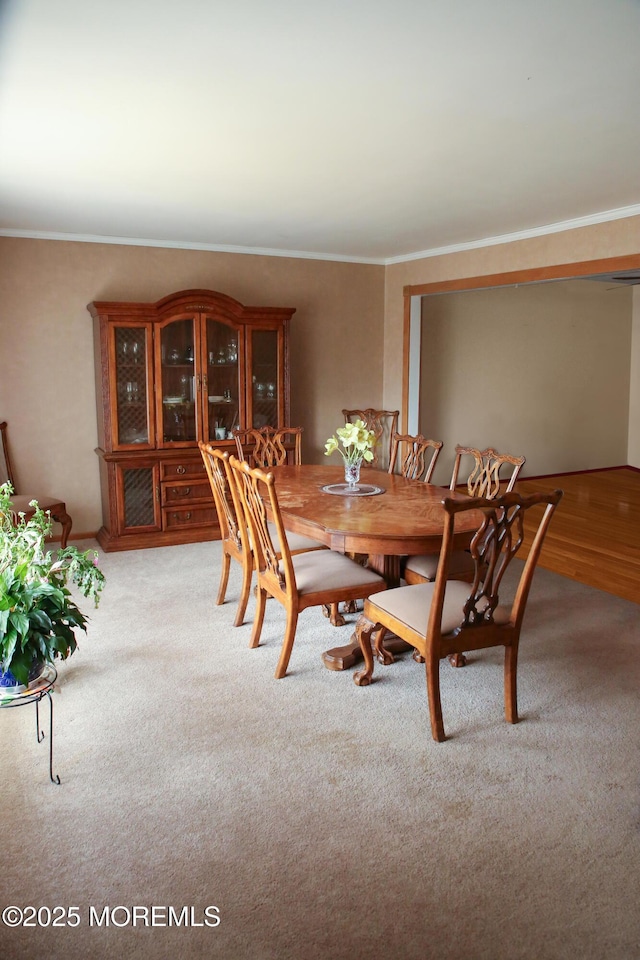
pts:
[483, 481]
[446, 617]
[21, 503]
[234, 533]
[270, 446]
[417, 456]
[297, 581]
[383, 423]
[235, 546]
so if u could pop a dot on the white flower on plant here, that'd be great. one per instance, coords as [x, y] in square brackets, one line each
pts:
[357, 442]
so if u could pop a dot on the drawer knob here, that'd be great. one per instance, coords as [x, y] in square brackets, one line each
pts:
[180, 469]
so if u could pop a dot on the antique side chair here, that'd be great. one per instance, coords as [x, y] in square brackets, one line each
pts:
[445, 617]
[21, 503]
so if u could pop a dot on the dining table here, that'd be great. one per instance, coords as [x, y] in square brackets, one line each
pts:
[387, 518]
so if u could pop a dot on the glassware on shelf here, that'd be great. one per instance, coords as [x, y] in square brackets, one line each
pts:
[188, 354]
[131, 391]
[232, 352]
[271, 390]
[174, 355]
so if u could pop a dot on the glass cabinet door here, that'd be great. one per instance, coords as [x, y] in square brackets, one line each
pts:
[138, 487]
[178, 391]
[133, 412]
[222, 385]
[266, 389]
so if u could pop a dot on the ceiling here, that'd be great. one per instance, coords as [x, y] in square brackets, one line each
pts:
[364, 130]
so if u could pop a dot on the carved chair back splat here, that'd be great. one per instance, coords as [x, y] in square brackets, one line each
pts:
[269, 446]
[415, 455]
[383, 423]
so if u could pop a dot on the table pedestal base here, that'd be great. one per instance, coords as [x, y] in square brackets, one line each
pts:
[341, 658]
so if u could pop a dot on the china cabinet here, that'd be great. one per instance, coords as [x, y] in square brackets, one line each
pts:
[196, 365]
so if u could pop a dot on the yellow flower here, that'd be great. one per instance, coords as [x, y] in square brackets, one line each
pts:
[330, 445]
[357, 441]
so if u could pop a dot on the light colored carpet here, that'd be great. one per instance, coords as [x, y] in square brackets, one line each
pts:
[319, 817]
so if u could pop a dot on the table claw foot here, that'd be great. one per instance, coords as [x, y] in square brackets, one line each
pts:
[457, 659]
[362, 678]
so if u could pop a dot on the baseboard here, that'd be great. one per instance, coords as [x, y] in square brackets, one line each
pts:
[574, 473]
[91, 535]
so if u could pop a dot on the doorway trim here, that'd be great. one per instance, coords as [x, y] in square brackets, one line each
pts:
[413, 294]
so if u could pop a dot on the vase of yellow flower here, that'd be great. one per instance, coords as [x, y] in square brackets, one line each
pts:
[354, 442]
[352, 473]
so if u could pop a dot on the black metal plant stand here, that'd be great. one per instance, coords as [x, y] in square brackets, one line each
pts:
[34, 693]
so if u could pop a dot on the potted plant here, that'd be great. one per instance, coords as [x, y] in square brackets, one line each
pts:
[38, 615]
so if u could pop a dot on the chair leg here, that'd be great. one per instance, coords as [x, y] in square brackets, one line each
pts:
[244, 596]
[365, 631]
[224, 579]
[63, 518]
[287, 644]
[261, 603]
[510, 684]
[332, 611]
[435, 705]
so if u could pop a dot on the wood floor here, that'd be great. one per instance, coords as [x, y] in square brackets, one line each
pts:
[594, 536]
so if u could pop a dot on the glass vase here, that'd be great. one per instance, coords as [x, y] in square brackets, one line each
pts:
[352, 473]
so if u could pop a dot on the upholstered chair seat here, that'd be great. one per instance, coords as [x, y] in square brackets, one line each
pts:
[411, 605]
[425, 566]
[324, 570]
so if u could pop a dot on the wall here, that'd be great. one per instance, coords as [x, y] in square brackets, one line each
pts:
[46, 349]
[47, 391]
[616, 238]
[634, 391]
[540, 370]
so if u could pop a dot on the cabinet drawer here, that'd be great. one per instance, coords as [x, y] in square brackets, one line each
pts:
[183, 491]
[182, 468]
[195, 517]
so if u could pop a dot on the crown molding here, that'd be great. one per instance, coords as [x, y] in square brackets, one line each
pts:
[186, 245]
[603, 217]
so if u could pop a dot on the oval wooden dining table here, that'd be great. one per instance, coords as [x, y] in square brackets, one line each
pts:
[405, 518]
